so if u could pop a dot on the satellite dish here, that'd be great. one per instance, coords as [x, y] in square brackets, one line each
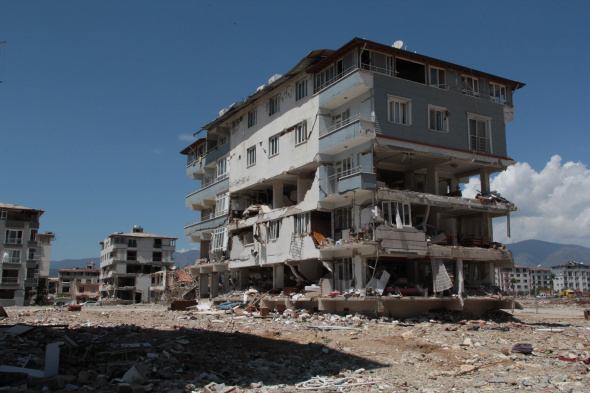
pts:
[398, 44]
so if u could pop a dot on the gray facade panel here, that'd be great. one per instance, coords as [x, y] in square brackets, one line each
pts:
[458, 105]
[208, 225]
[209, 191]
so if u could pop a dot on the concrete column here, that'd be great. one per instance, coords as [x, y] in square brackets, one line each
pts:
[243, 279]
[278, 272]
[454, 184]
[277, 195]
[214, 284]
[432, 179]
[459, 280]
[490, 277]
[358, 273]
[484, 178]
[203, 285]
[410, 180]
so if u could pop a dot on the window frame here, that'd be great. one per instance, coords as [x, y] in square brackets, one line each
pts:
[221, 203]
[445, 119]
[3, 215]
[221, 168]
[473, 89]
[301, 224]
[219, 240]
[391, 99]
[387, 208]
[300, 89]
[18, 239]
[274, 105]
[438, 70]
[498, 99]
[488, 131]
[343, 219]
[274, 228]
[252, 117]
[300, 133]
[273, 145]
[341, 119]
[251, 156]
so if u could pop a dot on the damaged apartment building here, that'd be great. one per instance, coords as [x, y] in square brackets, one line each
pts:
[128, 262]
[343, 176]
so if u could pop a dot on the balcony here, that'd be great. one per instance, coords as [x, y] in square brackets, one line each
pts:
[199, 163]
[208, 222]
[349, 133]
[194, 199]
[11, 261]
[355, 179]
[344, 87]
[12, 243]
[9, 280]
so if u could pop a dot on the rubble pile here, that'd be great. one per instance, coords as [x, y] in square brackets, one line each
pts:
[148, 348]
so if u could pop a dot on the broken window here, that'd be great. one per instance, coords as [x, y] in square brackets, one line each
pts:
[252, 118]
[273, 105]
[410, 70]
[437, 77]
[300, 89]
[438, 119]
[397, 213]
[301, 223]
[399, 110]
[470, 85]
[219, 240]
[251, 156]
[14, 237]
[342, 220]
[273, 229]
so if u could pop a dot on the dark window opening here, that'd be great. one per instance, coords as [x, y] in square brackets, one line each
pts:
[411, 71]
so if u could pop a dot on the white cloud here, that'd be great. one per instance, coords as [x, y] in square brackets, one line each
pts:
[553, 204]
[186, 137]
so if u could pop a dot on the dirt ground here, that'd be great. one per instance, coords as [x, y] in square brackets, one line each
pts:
[177, 351]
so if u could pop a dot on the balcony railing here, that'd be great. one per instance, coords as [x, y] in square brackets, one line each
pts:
[13, 241]
[345, 122]
[334, 177]
[9, 280]
[480, 144]
[11, 260]
[207, 217]
[209, 183]
[191, 160]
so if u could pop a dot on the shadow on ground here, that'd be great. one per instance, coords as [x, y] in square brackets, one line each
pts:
[178, 357]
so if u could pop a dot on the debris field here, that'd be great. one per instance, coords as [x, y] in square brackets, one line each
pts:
[149, 348]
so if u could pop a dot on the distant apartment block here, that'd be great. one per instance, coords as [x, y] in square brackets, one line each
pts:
[572, 275]
[345, 173]
[25, 254]
[127, 262]
[81, 283]
[523, 280]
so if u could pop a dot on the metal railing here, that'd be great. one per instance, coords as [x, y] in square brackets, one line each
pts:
[335, 78]
[13, 241]
[207, 217]
[480, 144]
[9, 280]
[334, 177]
[346, 122]
[209, 184]
[202, 156]
[11, 260]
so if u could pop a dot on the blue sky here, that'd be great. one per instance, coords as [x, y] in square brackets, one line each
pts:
[98, 97]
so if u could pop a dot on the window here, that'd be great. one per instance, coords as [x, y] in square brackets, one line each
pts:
[273, 105]
[3, 214]
[343, 268]
[302, 223]
[498, 93]
[119, 240]
[342, 220]
[438, 119]
[300, 89]
[132, 255]
[301, 132]
[221, 204]
[219, 239]
[470, 85]
[33, 255]
[399, 110]
[252, 118]
[437, 77]
[479, 133]
[14, 237]
[341, 119]
[132, 243]
[251, 156]
[397, 213]
[410, 70]
[13, 256]
[157, 243]
[343, 167]
[273, 229]
[273, 145]
[324, 78]
[157, 256]
[222, 168]
[33, 235]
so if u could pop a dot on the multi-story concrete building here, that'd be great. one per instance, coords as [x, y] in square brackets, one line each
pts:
[25, 252]
[345, 172]
[127, 261]
[81, 284]
[540, 279]
[571, 275]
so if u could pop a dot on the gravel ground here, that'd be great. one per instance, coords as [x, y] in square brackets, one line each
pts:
[176, 351]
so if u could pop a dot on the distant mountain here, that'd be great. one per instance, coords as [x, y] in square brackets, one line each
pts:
[531, 253]
[181, 259]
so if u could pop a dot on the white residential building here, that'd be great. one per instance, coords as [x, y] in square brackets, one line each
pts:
[345, 172]
[25, 255]
[572, 275]
[127, 261]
